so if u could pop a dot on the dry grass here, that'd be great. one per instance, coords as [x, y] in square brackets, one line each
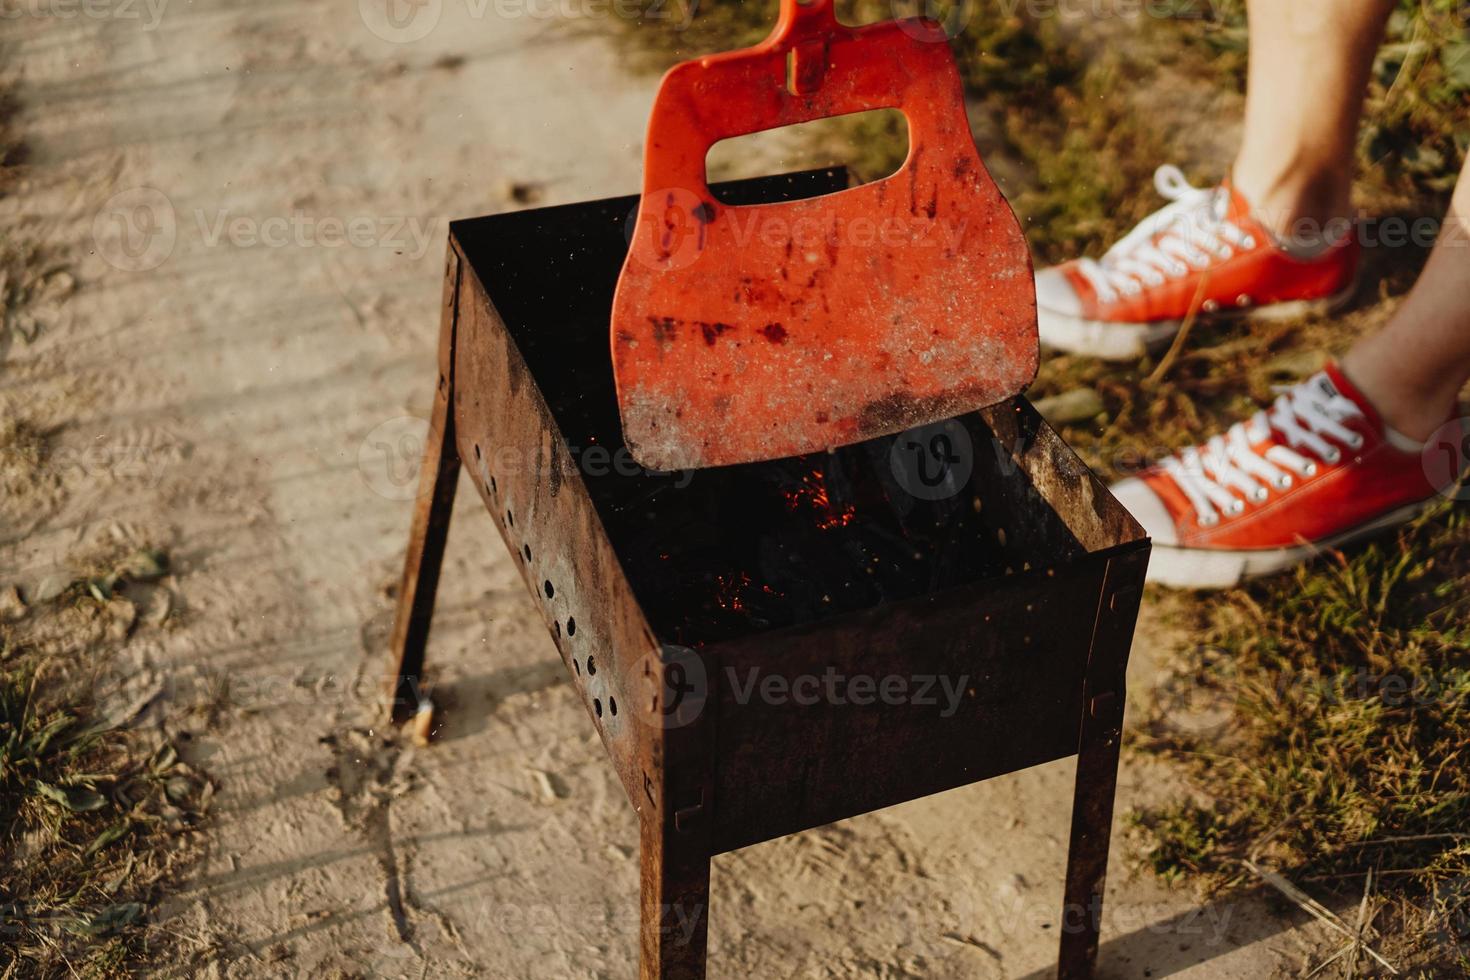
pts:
[96, 814]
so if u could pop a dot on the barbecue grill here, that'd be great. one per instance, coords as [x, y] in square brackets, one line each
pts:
[979, 555]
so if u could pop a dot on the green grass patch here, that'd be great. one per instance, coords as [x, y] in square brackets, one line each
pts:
[96, 816]
[1345, 691]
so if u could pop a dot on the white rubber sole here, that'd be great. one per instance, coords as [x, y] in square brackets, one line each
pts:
[1209, 568]
[1112, 341]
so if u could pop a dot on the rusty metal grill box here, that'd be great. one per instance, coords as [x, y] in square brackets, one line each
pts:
[670, 596]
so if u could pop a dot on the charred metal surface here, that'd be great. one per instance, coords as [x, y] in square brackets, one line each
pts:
[664, 591]
[1013, 651]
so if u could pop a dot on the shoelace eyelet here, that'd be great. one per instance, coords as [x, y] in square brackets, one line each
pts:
[1260, 495]
[1236, 508]
[1356, 442]
[1209, 520]
[1249, 243]
[1310, 469]
[1334, 457]
[1283, 483]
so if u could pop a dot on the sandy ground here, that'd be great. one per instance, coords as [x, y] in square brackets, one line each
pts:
[236, 384]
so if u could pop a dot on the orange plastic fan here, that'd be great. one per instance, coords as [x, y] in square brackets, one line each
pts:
[744, 333]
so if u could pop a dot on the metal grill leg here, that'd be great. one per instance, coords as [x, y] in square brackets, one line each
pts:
[437, 479]
[1087, 861]
[675, 919]
[1099, 746]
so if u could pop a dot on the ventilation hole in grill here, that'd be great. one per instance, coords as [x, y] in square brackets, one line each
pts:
[577, 667]
[591, 665]
[571, 626]
[549, 589]
[526, 550]
[477, 452]
[493, 487]
[597, 707]
[612, 705]
[510, 518]
[557, 624]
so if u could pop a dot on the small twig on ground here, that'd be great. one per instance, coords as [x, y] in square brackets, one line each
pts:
[1311, 906]
[1329, 961]
[1408, 839]
[1177, 347]
[1357, 943]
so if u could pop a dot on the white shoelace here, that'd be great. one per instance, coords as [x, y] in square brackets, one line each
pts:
[1305, 417]
[1188, 235]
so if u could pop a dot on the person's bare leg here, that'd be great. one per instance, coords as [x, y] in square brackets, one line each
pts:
[1414, 367]
[1309, 66]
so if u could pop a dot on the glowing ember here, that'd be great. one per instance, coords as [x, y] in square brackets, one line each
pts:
[812, 495]
[732, 591]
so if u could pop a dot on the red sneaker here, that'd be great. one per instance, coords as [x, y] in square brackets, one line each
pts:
[1316, 470]
[1202, 254]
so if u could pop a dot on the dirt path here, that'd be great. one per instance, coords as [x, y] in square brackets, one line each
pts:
[205, 161]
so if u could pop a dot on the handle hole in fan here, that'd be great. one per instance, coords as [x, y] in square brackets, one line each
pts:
[872, 145]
